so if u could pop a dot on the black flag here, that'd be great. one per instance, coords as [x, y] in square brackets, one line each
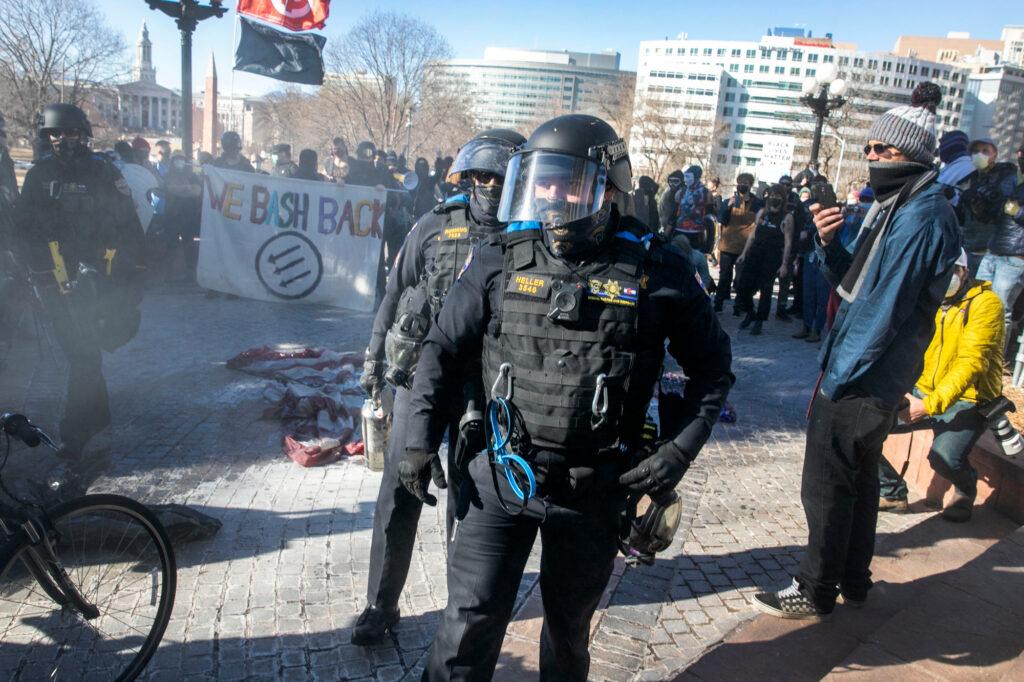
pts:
[296, 58]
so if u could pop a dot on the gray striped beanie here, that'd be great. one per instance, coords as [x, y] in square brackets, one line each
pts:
[911, 128]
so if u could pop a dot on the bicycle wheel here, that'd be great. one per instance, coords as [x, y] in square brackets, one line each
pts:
[110, 551]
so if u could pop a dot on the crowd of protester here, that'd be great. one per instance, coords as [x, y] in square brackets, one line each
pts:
[173, 236]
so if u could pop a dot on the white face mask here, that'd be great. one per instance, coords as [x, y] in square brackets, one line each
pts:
[954, 285]
[274, 158]
[980, 160]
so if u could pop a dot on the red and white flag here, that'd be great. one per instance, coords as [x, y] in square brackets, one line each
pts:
[294, 15]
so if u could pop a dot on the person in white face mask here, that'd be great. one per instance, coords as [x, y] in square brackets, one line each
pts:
[981, 203]
[962, 369]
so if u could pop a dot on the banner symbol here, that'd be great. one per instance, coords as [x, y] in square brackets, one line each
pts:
[289, 280]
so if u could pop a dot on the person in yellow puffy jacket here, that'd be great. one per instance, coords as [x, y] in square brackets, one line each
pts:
[962, 368]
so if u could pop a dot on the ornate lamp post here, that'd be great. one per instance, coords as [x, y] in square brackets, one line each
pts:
[823, 94]
[187, 14]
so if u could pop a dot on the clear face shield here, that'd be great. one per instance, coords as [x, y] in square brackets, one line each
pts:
[552, 189]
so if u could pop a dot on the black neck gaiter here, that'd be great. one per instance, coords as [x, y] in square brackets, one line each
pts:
[888, 177]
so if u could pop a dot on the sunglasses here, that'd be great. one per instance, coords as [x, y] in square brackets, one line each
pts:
[878, 148]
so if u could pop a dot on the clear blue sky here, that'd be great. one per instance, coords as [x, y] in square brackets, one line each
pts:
[582, 26]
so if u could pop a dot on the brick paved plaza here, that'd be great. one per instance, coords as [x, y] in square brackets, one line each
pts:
[274, 595]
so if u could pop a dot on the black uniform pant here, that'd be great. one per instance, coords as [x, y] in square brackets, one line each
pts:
[579, 540]
[793, 282]
[726, 268]
[397, 514]
[86, 405]
[839, 492]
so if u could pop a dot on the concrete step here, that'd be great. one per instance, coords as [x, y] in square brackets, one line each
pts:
[964, 624]
[948, 603]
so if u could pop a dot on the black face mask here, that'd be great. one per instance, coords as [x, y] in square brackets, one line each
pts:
[742, 189]
[65, 149]
[889, 177]
[775, 204]
[483, 202]
[1020, 163]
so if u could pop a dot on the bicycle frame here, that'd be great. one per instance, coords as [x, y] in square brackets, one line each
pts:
[41, 561]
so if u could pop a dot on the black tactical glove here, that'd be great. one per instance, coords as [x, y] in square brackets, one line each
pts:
[415, 471]
[660, 469]
[372, 378]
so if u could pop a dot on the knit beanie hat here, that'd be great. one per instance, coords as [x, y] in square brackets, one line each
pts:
[953, 145]
[911, 129]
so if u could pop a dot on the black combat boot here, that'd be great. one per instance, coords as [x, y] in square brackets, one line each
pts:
[373, 625]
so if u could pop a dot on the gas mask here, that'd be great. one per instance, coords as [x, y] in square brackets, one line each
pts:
[641, 537]
[980, 160]
[66, 144]
[483, 202]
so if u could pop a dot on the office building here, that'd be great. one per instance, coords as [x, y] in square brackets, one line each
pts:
[512, 88]
[732, 105]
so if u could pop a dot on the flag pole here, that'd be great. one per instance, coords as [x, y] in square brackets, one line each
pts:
[234, 46]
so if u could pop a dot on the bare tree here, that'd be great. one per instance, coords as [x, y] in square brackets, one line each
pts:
[615, 105]
[669, 137]
[381, 71]
[52, 49]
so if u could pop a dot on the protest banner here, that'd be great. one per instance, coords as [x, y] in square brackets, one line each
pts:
[281, 239]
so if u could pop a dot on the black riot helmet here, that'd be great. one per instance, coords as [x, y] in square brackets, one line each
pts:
[487, 152]
[59, 121]
[558, 181]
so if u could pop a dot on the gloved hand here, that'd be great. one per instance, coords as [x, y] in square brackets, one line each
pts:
[372, 378]
[415, 471]
[660, 470]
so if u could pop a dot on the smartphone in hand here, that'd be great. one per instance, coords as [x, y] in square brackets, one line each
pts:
[823, 194]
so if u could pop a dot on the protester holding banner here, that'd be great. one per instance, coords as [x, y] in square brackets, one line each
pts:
[281, 157]
[308, 167]
[231, 154]
[439, 247]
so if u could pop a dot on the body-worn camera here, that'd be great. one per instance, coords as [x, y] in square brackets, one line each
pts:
[566, 301]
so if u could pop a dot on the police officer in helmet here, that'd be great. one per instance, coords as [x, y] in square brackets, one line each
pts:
[429, 262]
[80, 235]
[570, 309]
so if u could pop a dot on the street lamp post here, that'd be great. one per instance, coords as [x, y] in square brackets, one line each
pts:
[823, 94]
[187, 15]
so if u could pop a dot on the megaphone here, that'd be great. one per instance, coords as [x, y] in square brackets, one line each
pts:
[410, 181]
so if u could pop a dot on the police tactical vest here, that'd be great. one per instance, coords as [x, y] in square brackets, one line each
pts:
[568, 378]
[446, 255]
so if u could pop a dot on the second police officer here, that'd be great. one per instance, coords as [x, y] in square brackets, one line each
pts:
[77, 224]
[429, 262]
[570, 309]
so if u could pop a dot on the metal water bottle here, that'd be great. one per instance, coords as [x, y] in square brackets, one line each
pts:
[376, 415]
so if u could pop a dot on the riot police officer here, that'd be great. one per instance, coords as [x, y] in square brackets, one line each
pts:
[429, 262]
[571, 309]
[80, 235]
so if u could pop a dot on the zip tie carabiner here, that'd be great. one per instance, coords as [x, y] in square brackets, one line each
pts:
[504, 372]
[599, 407]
